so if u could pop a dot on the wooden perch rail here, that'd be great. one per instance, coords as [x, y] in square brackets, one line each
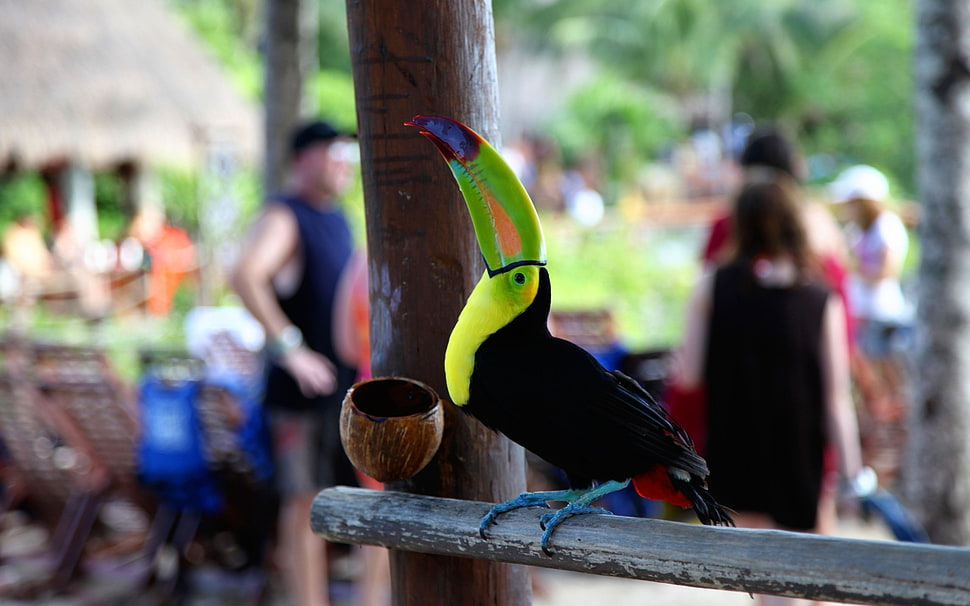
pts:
[755, 561]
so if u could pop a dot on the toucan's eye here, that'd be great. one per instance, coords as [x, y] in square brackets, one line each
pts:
[519, 278]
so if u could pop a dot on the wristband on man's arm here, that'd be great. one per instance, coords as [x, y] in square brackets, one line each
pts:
[286, 341]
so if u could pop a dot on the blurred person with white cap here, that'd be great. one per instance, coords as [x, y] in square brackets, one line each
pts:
[878, 241]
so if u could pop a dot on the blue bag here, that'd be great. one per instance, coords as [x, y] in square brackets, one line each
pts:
[171, 455]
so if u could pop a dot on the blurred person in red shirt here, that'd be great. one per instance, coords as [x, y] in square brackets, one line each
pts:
[171, 257]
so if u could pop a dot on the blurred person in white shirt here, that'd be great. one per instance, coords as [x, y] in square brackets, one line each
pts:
[878, 242]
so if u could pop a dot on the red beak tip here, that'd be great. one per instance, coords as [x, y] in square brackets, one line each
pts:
[417, 120]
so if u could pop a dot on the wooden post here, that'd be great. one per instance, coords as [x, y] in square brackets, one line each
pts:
[409, 58]
[756, 561]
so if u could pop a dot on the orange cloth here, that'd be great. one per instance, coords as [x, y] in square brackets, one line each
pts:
[360, 316]
[172, 257]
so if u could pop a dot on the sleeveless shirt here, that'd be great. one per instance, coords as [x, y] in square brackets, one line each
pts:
[766, 400]
[325, 247]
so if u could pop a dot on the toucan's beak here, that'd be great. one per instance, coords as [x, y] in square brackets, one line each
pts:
[505, 219]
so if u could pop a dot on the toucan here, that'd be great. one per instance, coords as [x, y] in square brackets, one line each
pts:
[549, 395]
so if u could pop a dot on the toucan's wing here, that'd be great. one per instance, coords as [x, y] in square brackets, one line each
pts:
[650, 407]
[555, 399]
[651, 426]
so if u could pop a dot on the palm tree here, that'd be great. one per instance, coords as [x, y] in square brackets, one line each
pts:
[937, 465]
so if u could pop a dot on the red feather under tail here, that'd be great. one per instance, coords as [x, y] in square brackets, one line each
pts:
[658, 484]
[655, 484]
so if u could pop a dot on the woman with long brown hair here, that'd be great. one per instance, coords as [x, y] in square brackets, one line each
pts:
[766, 339]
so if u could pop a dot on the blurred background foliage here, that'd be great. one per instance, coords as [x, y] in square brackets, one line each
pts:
[643, 275]
[21, 195]
[834, 73]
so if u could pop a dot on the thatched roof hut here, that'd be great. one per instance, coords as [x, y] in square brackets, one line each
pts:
[105, 82]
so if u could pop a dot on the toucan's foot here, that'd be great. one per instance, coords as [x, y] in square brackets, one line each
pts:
[550, 521]
[526, 499]
[579, 503]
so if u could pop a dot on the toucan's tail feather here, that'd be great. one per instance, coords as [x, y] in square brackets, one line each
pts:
[709, 511]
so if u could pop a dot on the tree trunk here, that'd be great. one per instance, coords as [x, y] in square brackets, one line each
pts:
[283, 86]
[411, 58]
[937, 463]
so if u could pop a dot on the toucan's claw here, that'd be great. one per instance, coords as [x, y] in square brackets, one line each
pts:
[578, 503]
[526, 499]
[551, 521]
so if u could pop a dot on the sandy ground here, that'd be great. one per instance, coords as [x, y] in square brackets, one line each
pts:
[575, 589]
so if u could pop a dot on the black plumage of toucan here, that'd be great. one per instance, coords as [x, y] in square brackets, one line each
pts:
[549, 395]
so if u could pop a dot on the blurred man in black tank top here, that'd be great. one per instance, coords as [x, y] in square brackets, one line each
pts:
[287, 278]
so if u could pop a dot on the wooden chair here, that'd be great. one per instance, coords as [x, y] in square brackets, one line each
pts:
[81, 397]
[80, 381]
[62, 478]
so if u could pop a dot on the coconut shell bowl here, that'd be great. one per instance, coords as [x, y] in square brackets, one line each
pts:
[391, 427]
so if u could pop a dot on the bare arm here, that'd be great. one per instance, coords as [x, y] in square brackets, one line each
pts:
[271, 245]
[842, 423]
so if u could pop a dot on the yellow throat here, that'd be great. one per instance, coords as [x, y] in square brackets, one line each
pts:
[493, 304]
